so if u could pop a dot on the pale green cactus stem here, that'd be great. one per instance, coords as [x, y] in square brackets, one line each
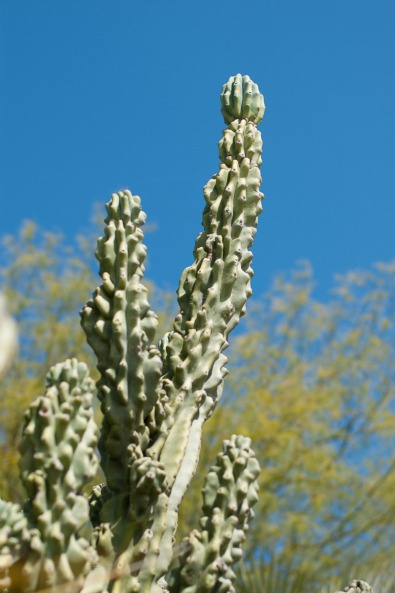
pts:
[57, 460]
[120, 327]
[229, 494]
[212, 296]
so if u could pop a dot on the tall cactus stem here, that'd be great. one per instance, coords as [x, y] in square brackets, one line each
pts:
[212, 294]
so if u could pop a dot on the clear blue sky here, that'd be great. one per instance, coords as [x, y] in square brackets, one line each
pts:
[100, 95]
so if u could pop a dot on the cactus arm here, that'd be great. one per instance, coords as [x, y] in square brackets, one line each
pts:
[230, 491]
[120, 327]
[57, 460]
[214, 290]
[212, 296]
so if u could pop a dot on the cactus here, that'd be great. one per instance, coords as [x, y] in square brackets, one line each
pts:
[229, 493]
[155, 398]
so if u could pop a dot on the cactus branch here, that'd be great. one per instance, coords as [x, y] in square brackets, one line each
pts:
[120, 327]
[212, 295]
[230, 492]
[57, 460]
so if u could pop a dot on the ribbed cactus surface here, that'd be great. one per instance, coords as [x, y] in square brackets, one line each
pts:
[120, 327]
[229, 494]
